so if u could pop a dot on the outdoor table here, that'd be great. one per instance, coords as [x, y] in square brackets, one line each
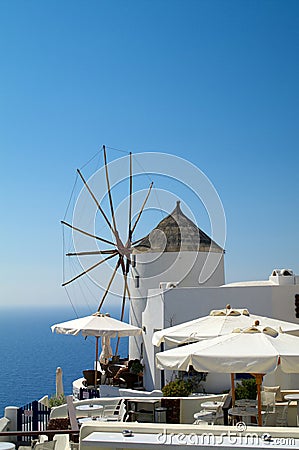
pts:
[246, 402]
[93, 419]
[142, 409]
[205, 416]
[244, 412]
[90, 409]
[118, 440]
[87, 419]
[7, 446]
[211, 405]
[294, 397]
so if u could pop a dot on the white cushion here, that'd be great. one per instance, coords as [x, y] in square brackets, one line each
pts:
[135, 393]
[276, 390]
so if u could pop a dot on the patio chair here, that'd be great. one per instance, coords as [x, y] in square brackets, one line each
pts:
[282, 416]
[47, 445]
[62, 441]
[266, 414]
[89, 376]
[219, 416]
[204, 416]
[127, 380]
[210, 417]
[268, 400]
[37, 445]
[111, 371]
[114, 414]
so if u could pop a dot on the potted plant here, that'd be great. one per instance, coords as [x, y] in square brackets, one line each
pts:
[175, 388]
[57, 400]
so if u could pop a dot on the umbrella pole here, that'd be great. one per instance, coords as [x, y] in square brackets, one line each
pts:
[259, 380]
[232, 379]
[97, 357]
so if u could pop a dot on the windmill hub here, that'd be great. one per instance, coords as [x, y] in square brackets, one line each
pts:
[124, 251]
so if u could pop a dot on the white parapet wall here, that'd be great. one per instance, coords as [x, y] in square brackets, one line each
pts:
[4, 422]
[11, 413]
[184, 436]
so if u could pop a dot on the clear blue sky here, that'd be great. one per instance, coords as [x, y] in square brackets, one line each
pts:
[215, 82]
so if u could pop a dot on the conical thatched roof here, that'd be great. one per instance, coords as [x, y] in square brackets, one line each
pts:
[177, 233]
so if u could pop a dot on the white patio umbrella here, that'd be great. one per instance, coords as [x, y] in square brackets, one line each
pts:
[97, 325]
[254, 350]
[218, 323]
[106, 352]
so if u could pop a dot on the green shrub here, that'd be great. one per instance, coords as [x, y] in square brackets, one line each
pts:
[57, 400]
[246, 389]
[177, 388]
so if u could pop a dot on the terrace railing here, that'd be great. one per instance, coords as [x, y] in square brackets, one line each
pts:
[32, 417]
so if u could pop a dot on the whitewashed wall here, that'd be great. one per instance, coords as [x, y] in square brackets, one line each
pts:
[153, 268]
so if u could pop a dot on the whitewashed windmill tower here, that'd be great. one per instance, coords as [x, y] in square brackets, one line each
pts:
[173, 254]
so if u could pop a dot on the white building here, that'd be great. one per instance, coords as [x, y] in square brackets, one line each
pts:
[165, 291]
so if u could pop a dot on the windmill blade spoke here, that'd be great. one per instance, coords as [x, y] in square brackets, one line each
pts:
[89, 269]
[142, 207]
[87, 234]
[138, 240]
[122, 264]
[96, 201]
[123, 307]
[96, 252]
[109, 189]
[130, 200]
[127, 288]
[109, 285]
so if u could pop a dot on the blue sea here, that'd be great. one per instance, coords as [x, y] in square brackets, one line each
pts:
[30, 354]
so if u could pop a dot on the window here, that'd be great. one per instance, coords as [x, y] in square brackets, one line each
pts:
[137, 281]
[133, 259]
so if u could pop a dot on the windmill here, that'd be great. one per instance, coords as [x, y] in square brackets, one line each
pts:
[121, 250]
